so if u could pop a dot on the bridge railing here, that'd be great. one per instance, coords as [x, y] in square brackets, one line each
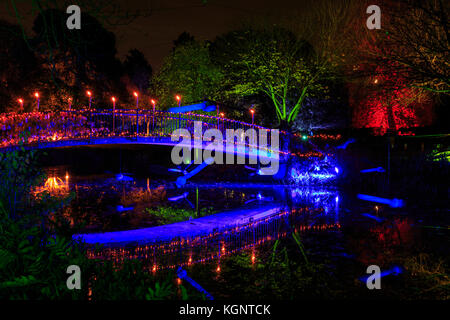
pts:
[83, 124]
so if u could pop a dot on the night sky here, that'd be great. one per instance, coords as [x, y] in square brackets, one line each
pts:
[153, 34]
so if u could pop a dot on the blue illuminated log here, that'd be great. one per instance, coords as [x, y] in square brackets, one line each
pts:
[182, 274]
[394, 203]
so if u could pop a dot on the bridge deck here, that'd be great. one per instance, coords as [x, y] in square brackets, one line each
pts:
[185, 229]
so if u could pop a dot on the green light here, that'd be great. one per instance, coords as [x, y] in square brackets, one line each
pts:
[304, 137]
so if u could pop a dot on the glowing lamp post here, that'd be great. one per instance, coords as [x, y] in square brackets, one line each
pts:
[114, 113]
[178, 98]
[153, 102]
[253, 115]
[36, 95]
[222, 115]
[21, 103]
[90, 97]
[70, 103]
[137, 112]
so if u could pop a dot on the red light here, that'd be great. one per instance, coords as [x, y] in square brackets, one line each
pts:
[178, 97]
[135, 94]
[113, 99]
[222, 115]
[36, 95]
[252, 111]
[89, 93]
[153, 102]
[20, 101]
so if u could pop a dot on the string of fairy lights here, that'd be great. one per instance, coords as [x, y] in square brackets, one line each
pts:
[87, 124]
[216, 245]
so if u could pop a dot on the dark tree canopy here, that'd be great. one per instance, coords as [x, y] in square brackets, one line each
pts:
[138, 69]
[17, 63]
[183, 39]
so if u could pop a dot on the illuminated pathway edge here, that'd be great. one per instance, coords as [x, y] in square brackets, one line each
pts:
[185, 229]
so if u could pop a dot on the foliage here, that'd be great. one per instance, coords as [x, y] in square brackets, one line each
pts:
[33, 257]
[172, 214]
[430, 277]
[277, 274]
[36, 249]
[417, 40]
[273, 62]
[17, 175]
[16, 60]
[189, 72]
[138, 69]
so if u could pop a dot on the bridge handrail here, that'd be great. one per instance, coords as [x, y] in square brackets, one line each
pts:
[85, 123]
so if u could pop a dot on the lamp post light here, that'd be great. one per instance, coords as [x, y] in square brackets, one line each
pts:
[36, 94]
[114, 113]
[137, 112]
[90, 98]
[178, 98]
[253, 115]
[20, 100]
[70, 103]
[153, 101]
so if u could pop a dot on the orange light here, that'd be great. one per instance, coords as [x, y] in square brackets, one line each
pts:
[178, 97]
[253, 258]
[20, 101]
[135, 94]
[178, 281]
[153, 102]
[88, 93]
[222, 115]
[70, 99]
[113, 99]
[36, 95]
[252, 111]
[218, 269]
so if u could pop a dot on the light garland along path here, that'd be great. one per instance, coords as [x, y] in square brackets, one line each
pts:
[185, 229]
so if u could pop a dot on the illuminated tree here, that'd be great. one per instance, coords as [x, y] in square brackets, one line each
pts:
[273, 62]
[187, 71]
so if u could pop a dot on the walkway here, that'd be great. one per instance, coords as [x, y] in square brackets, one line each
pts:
[185, 229]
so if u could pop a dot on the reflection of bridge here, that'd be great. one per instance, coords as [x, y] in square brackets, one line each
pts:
[187, 249]
[88, 127]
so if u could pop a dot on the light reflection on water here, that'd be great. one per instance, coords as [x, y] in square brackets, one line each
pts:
[306, 209]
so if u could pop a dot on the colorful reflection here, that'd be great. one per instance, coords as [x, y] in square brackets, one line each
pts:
[220, 243]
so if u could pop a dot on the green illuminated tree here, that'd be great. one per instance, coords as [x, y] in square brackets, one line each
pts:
[275, 63]
[187, 71]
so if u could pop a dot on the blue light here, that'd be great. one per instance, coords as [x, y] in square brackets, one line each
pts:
[336, 169]
[122, 177]
[121, 208]
[394, 203]
[192, 107]
[379, 169]
[395, 270]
